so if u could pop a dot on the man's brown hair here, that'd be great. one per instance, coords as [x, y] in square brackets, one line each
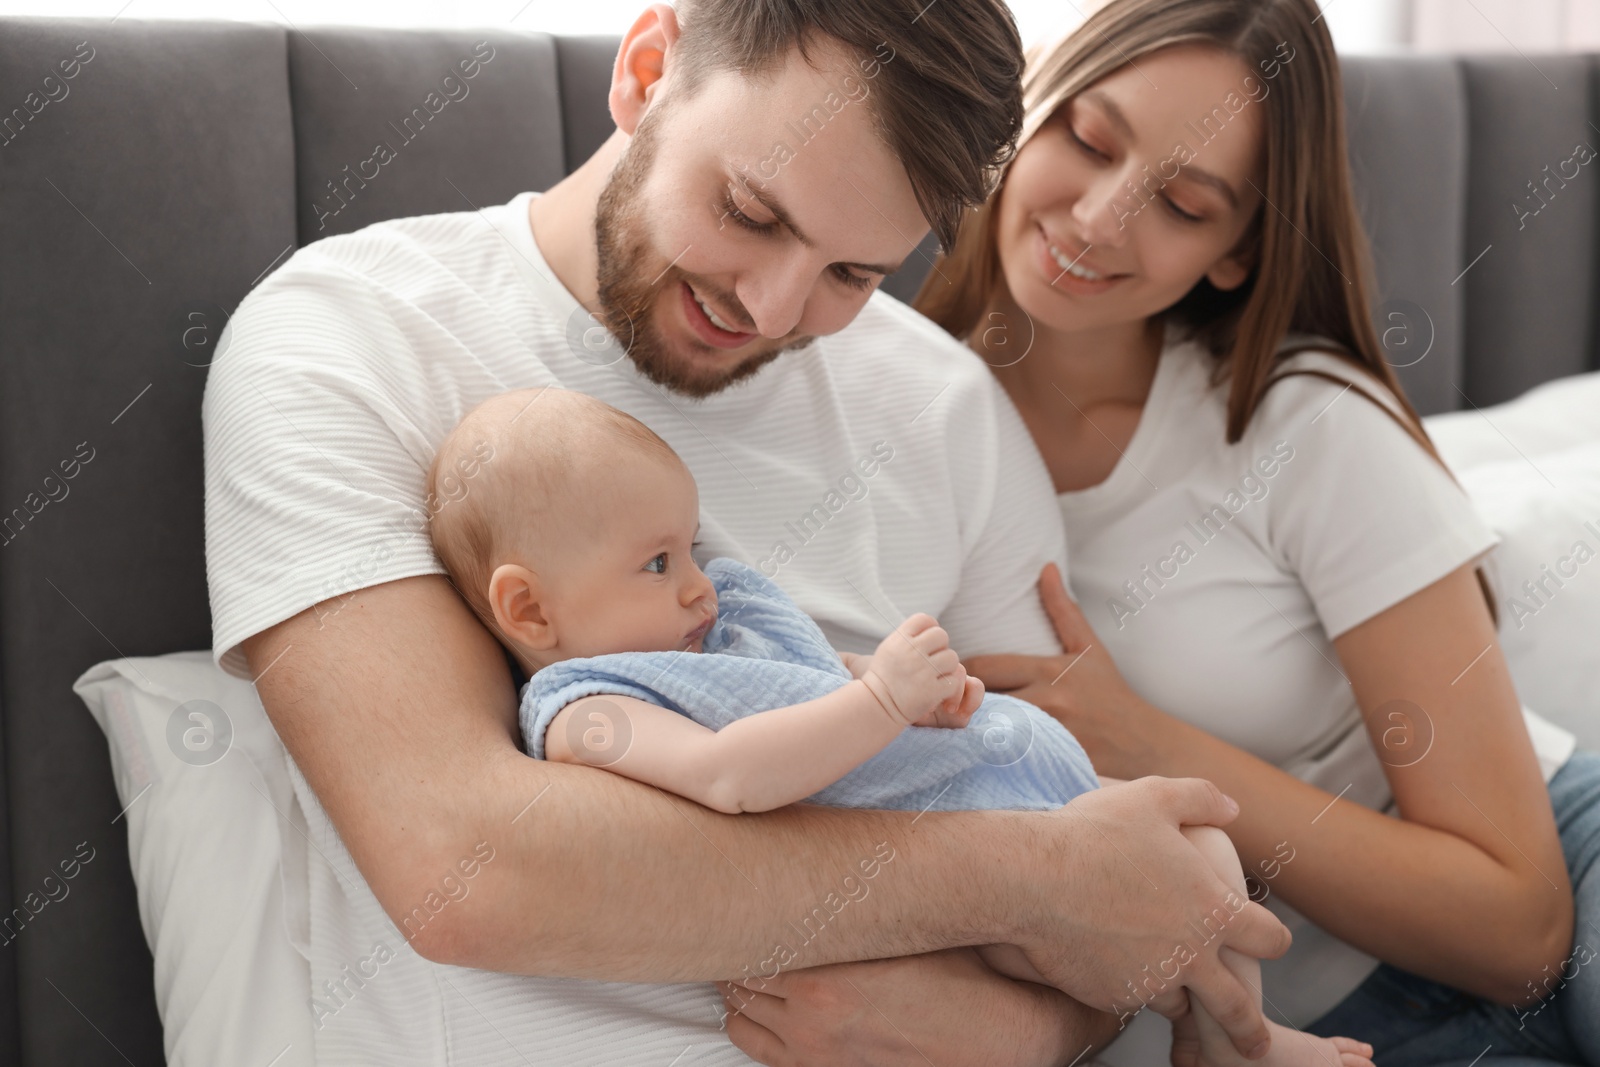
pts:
[946, 88]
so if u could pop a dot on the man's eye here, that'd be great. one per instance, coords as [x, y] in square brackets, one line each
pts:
[658, 565]
[731, 210]
[852, 279]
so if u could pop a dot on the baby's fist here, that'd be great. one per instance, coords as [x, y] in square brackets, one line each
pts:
[957, 712]
[915, 671]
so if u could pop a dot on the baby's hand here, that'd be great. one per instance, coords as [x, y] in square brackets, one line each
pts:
[957, 712]
[915, 674]
[856, 663]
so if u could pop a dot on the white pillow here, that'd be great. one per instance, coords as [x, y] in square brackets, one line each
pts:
[1552, 418]
[1546, 576]
[245, 920]
[205, 784]
[1532, 466]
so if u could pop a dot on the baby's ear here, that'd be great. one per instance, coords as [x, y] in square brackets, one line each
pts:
[515, 598]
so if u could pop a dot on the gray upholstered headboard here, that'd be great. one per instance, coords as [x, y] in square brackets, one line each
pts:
[184, 160]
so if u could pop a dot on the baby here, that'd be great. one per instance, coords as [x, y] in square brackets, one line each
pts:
[568, 527]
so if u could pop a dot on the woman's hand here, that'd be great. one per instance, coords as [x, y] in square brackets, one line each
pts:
[1083, 690]
[943, 1007]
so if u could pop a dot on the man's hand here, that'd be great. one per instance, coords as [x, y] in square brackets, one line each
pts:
[944, 1007]
[915, 674]
[1132, 893]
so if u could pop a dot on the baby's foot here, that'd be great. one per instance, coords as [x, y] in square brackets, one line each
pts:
[1290, 1048]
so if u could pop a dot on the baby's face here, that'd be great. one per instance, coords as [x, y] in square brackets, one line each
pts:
[635, 588]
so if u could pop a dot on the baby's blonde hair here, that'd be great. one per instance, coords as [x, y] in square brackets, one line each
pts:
[514, 471]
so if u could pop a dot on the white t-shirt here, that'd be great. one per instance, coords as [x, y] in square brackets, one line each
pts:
[880, 472]
[877, 473]
[1218, 575]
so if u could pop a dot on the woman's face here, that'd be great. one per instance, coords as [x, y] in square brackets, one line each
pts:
[1134, 190]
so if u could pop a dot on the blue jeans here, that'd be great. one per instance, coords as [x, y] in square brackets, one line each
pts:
[1416, 1022]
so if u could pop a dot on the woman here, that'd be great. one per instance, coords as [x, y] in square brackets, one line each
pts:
[1171, 284]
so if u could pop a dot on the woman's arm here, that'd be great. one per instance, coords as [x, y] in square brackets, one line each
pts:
[756, 763]
[1468, 887]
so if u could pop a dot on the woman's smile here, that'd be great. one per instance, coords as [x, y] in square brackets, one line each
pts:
[1066, 267]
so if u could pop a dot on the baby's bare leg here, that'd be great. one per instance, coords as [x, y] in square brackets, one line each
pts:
[1199, 1041]
[1194, 1036]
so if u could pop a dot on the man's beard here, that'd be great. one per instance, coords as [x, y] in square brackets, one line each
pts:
[627, 296]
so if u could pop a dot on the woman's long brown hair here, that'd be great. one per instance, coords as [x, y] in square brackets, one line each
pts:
[1308, 241]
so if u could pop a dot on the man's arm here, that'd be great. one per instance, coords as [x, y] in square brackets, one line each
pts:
[397, 706]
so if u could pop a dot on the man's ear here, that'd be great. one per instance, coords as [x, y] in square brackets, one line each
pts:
[518, 604]
[641, 64]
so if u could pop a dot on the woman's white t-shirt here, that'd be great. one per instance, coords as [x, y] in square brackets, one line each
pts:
[1218, 575]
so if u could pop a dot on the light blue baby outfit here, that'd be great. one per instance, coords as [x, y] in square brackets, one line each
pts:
[763, 652]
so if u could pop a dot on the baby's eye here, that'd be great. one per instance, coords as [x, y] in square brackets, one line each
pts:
[658, 565]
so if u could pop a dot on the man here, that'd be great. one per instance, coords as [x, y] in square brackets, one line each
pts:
[774, 159]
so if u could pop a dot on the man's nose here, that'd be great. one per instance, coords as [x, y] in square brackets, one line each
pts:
[775, 294]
